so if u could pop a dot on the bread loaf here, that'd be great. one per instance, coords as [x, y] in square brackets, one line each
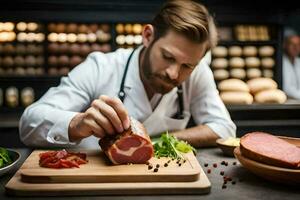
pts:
[253, 73]
[219, 51]
[233, 85]
[236, 62]
[236, 97]
[235, 51]
[259, 84]
[249, 51]
[252, 62]
[267, 62]
[219, 63]
[265, 51]
[270, 96]
[221, 74]
[238, 73]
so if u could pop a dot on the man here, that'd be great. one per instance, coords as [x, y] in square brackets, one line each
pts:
[291, 66]
[162, 83]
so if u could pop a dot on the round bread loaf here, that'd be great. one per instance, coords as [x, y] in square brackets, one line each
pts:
[265, 51]
[233, 85]
[235, 51]
[268, 73]
[267, 62]
[238, 73]
[253, 73]
[260, 84]
[219, 51]
[219, 63]
[236, 97]
[221, 74]
[236, 62]
[270, 96]
[249, 51]
[252, 62]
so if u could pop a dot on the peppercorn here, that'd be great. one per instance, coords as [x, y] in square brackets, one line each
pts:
[234, 163]
[208, 171]
[222, 173]
[179, 164]
[205, 164]
[166, 164]
[224, 186]
[157, 166]
[150, 167]
[223, 162]
[155, 170]
[233, 182]
[215, 165]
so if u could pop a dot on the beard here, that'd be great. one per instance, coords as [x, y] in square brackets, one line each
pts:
[158, 82]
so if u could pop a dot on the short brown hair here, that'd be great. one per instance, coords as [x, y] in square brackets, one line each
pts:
[190, 18]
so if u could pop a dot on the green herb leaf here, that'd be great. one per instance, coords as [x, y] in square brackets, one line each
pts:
[169, 146]
[4, 156]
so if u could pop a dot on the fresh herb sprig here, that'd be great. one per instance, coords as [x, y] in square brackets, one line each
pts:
[169, 146]
[4, 157]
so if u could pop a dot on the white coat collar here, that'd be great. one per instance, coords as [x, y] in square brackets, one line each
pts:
[133, 75]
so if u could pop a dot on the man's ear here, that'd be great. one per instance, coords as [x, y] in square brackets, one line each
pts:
[148, 35]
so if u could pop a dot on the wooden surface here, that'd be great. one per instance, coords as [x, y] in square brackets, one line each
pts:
[17, 187]
[100, 170]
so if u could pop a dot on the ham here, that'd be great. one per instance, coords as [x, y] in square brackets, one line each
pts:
[132, 146]
[269, 149]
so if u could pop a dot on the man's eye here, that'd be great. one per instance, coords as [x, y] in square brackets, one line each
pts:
[168, 58]
[188, 66]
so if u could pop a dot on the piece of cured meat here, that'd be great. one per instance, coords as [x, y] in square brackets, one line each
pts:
[132, 146]
[269, 149]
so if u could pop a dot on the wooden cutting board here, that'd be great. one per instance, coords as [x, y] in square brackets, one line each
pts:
[16, 187]
[100, 170]
[163, 180]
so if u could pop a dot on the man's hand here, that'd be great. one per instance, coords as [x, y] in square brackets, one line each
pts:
[106, 116]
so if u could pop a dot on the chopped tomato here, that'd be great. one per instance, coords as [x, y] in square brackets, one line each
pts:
[62, 159]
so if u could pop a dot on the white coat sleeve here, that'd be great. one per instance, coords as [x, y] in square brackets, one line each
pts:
[288, 84]
[207, 107]
[45, 123]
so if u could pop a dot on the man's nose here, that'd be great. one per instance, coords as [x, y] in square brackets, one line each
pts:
[173, 71]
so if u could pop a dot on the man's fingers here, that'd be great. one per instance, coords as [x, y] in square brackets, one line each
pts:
[95, 128]
[109, 113]
[102, 121]
[119, 108]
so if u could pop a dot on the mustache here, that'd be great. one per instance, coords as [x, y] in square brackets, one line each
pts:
[166, 79]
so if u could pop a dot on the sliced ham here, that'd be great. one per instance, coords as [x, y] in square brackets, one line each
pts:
[269, 149]
[132, 146]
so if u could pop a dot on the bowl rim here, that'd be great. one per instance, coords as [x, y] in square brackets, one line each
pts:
[14, 162]
[220, 141]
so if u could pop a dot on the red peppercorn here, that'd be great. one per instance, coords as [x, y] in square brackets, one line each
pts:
[215, 165]
[208, 171]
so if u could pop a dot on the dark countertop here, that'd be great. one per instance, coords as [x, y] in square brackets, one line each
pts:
[248, 186]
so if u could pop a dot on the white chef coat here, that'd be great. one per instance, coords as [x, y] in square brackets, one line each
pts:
[45, 122]
[291, 77]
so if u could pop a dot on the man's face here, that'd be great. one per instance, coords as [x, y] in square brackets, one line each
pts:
[169, 61]
[293, 46]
